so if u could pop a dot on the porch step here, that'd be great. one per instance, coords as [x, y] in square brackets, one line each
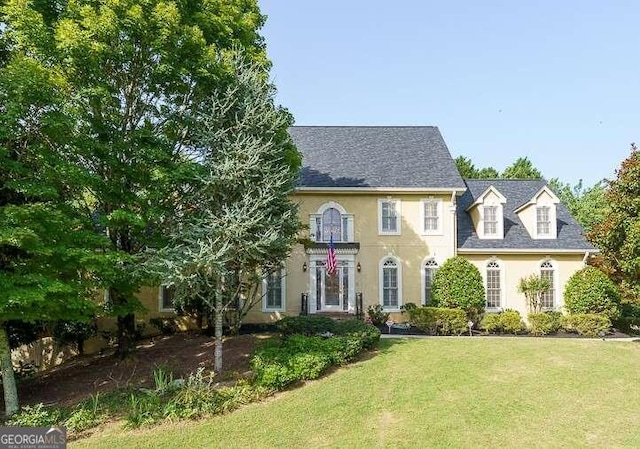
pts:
[338, 316]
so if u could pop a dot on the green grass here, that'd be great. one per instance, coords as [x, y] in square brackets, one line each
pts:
[481, 392]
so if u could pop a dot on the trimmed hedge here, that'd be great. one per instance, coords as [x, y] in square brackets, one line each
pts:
[439, 321]
[508, 321]
[586, 324]
[458, 285]
[545, 323]
[590, 291]
[301, 355]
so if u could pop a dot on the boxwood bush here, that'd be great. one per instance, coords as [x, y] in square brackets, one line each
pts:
[305, 325]
[545, 323]
[590, 291]
[458, 285]
[586, 324]
[508, 321]
[438, 320]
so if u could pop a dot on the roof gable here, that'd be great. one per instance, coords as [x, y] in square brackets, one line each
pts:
[544, 191]
[482, 198]
[375, 157]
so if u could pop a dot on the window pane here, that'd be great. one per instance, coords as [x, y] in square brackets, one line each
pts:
[331, 225]
[274, 290]
[490, 220]
[388, 216]
[548, 298]
[431, 216]
[544, 223]
[168, 293]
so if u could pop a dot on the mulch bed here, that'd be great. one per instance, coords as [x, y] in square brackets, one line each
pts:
[181, 353]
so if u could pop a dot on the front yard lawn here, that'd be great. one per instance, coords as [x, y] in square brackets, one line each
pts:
[465, 392]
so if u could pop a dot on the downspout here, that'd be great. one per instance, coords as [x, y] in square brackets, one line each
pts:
[454, 210]
[585, 258]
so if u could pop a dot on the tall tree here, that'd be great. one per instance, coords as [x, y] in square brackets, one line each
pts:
[241, 222]
[618, 235]
[522, 168]
[134, 70]
[468, 170]
[47, 250]
[587, 205]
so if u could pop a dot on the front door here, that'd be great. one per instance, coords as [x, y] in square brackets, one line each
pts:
[332, 290]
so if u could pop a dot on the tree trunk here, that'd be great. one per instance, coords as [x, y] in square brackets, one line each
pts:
[11, 403]
[126, 335]
[217, 352]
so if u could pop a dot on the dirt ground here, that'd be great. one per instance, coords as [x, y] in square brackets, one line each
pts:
[181, 353]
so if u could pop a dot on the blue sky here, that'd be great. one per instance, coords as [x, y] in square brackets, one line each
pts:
[556, 81]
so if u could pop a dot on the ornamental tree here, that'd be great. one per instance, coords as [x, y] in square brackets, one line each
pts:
[533, 287]
[240, 222]
[618, 235]
[589, 290]
[134, 73]
[458, 285]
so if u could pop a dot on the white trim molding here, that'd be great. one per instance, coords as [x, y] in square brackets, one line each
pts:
[398, 266]
[429, 262]
[397, 208]
[283, 293]
[440, 216]
[161, 291]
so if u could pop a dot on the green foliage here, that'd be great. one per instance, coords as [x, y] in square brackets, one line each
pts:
[586, 324]
[76, 332]
[305, 325]
[36, 416]
[280, 363]
[508, 321]
[377, 315]
[439, 321]
[545, 323]
[533, 287]
[458, 285]
[522, 168]
[511, 321]
[468, 170]
[589, 290]
[166, 326]
[587, 205]
[407, 307]
[618, 235]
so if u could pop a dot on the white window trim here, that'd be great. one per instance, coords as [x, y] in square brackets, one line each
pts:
[501, 266]
[398, 207]
[423, 281]
[381, 283]
[553, 221]
[439, 229]
[558, 299]
[343, 212]
[350, 260]
[283, 291]
[499, 235]
[161, 307]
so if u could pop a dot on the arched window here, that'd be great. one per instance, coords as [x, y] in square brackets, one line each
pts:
[331, 225]
[390, 283]
[494, 285]
[430, 267]
[547, 271]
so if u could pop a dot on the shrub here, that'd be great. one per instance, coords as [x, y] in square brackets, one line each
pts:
[76, 332]
[629, 321]
[37, 416]
[369, 335]
[590, 291]
[166, 326]
[439, 321]
[511, 321]
[544, 323]
[458, 285]
[491, 323]
[377, 315]
[305, 325]
[586, 324]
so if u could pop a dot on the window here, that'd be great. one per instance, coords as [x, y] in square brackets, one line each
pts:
[273, 291]
[167, 294]
[490, 220]
[430, 267]
[548, 298]
[543, 221]
[494, 287]
[388, 212]
[331, 225]
[390, 282]
[431, 216]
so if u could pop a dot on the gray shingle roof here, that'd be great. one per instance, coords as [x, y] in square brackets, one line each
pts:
[517, 192]
[375, 156]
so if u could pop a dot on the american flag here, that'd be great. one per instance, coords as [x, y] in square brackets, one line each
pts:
[332, 261]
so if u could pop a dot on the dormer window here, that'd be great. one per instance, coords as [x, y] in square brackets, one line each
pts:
[490, 220]
[543, 221]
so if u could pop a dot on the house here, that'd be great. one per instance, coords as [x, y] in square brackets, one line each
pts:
[397, 209]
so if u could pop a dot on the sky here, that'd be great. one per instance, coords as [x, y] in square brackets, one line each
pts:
[555, 81]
